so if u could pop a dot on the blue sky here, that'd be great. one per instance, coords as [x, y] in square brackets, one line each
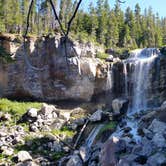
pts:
[157, 5]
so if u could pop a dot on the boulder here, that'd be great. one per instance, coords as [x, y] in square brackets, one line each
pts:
[23, 156]
[74, 161]
[64, 115]
[47, 109]
[119, 106]
[7, 151]
[97, 116]
[159, 140]
[84, 153]
[110, 149]
[27, 163]
[32, 112]
[157, 159]
[157, 126]
[110, 58]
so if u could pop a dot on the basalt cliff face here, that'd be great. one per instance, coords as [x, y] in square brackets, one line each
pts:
[79, 78]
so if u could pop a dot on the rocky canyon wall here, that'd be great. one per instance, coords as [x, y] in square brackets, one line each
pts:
[79, 78]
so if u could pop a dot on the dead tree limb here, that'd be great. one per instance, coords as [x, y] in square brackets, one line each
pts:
[81, 132]
[73, 16]
[57, 18]
[27, 61]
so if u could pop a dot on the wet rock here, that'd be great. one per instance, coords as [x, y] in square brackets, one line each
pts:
[141, 159]
[163, 106]
[93, 163]
[97, 116]
[32, 112]
[129, 158]
[84, 153]
[156, 160]
[74, 161]
[109, 151]
[127, 129]
[157, 126]
[148, 134]
[159, 141]
[119, 106]
[23, 156]
[123, 162]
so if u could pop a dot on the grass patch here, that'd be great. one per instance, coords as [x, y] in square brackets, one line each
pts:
[65, 131]
[17, 108]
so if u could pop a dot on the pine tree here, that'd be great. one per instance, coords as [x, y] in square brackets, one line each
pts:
[102, 20]
[158, 33]
[2, 16]
[93, 20]
[138, 24]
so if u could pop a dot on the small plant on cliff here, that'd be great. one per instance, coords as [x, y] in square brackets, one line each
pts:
[111, 126]
[5, 57]
[101, 55]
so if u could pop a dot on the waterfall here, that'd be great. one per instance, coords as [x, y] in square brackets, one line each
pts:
[136, 70]
[125, 78]
[142, 60]
[109, 83]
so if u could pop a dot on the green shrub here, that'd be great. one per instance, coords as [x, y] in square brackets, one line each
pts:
[101, 55]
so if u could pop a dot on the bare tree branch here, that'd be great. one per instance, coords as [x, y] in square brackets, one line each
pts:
[73, 16]
[57, 18]
[27, 61]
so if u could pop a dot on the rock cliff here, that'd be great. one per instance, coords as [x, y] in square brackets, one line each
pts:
[78, 78]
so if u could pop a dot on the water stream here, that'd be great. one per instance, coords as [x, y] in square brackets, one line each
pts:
[136, 70]
[92, 136]
[141, 61]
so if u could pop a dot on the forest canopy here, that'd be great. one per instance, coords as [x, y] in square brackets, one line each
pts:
[110, 26]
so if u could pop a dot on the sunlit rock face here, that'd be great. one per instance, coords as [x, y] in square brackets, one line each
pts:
[141, 77]
[78, 78]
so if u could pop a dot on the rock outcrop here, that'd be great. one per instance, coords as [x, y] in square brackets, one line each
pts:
[78, 78]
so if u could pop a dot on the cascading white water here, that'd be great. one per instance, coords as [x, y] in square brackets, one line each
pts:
[109, 83]
[140, 64]
[142, 60]
[126, 79]
[90, 140]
